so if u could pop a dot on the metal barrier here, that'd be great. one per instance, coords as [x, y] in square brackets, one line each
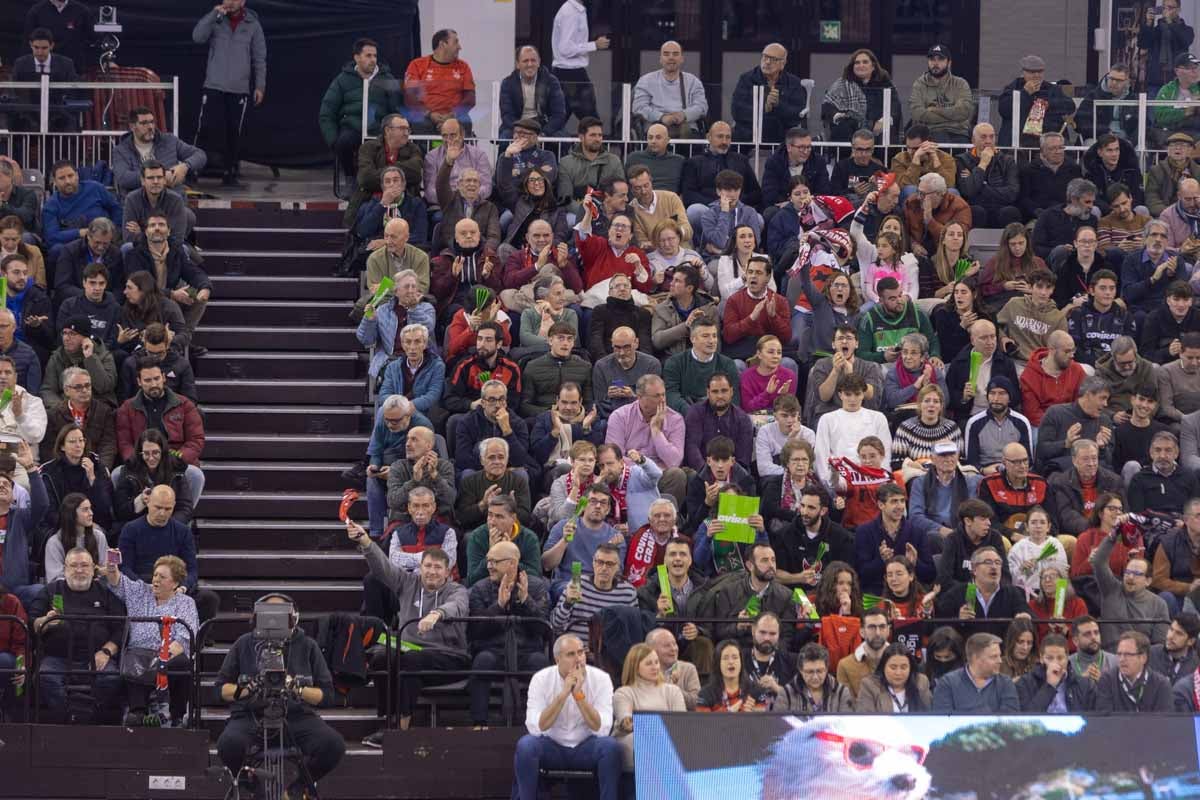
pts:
[510, 671]
[39, 638]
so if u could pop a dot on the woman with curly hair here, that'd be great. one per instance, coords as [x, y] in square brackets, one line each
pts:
[855, 100]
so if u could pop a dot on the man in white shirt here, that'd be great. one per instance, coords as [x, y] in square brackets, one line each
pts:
[570, 45]
[839, 432]
[568, 715]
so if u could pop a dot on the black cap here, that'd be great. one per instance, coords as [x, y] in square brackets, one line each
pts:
[1186, 60]
[938, 50]
[80, 325]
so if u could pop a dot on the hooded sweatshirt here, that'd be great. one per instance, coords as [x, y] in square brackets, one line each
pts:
[1040, 390]
[1029, 324]
[414, 601]
[945, 104]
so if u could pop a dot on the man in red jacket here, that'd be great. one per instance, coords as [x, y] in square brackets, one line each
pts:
[754, 311]
[1052, 376]
[176, 416]
[603, 258]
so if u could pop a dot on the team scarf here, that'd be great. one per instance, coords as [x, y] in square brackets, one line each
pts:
[857, 476]
[787, 499]
[620, 510]
[823, 250]
[644, 554]
[582, 489]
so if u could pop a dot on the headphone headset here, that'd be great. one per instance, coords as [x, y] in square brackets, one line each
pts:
[293, 619]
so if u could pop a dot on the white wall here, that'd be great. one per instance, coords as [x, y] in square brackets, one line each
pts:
[1011, 29]
[487, 30]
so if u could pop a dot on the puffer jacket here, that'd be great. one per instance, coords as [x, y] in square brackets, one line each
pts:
[1126, 172]
[342, 105]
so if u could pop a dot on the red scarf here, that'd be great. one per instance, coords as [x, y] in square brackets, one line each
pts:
[582, 489]
[643, 555]
[620, 509]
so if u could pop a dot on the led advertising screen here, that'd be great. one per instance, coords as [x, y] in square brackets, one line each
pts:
[911, 757]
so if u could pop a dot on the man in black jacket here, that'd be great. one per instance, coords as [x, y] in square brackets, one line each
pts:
[974, 531]
[1133, 687]
[993, 600]
[95, 246]
[1044, 180]
[1053, 686]
[36, 323]
[700, 176]
[308, 685]
[1056, 226]
[799, 546]
[186, 283]
[988, 179]
[508, 592]
[796, 152]
[784, 97]
[18, 201]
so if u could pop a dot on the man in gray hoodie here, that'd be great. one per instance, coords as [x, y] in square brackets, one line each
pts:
[237, 67]
[424, 600]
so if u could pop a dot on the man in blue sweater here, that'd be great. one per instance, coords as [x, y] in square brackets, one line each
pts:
[147, 539]
[73, 206]
[978, 687]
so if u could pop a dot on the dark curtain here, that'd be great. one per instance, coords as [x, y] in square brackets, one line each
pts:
[308, 41]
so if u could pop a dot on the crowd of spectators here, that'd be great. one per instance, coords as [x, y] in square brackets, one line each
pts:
[581, 360]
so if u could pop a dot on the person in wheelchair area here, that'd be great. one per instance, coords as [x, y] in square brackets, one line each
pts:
[310, 685]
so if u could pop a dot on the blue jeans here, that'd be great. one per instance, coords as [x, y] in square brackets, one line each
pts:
[377, 508]
[53, 685]
[600, 754]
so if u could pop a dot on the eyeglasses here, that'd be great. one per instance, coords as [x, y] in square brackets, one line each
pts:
[1017, 461]
[863, 149]
[151, 453]
[605, 564]
[1111, 507]
[495, 562]
[773, 59]
[1135, 573]
[1128, 654]
[861, 753]
[536, 179]
[493, 399]
[78, 387]
[989, 562]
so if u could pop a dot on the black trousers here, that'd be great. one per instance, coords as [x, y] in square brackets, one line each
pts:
[345, 150]
[322, 746]
[481, 687]
[409, 687]
[222, 120]
[578, 91]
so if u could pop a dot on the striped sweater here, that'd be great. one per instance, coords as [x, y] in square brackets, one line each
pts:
[575, 618]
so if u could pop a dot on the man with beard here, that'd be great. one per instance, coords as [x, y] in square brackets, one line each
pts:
[1089, 660]
[423, 598]
[853, 668]
[767, 668]
[615, 376]
[153, 198]
[974, 530]
[469, 374]
[421, 468]
[146, 142]
[508, 592]
[798, 545]
[1124, 370]
[1176, 658]
[942, 101]
[1179, 381]
[576, 539]
[30, 306]
[648, 543]
[79, 349]
[1165, 486]
[557, 428]
[730, 594]
[685, 303]
[1051, 377]
[73, 206]
[160, 253]
[990, 431]
[1128, 597]
[1121, 229]
[177, 417]
[633, 482]
[76, 643]
[717, 416]
[587, 165]
[1146, 273]
[1067, 423]
[156, 347]
[993, 600]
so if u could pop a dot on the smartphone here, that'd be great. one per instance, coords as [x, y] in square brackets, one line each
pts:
[112, 558]
[619, 382]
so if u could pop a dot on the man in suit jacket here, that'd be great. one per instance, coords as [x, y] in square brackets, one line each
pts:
[43, 61]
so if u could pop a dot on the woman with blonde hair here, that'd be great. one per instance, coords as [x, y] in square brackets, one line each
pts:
[643, 688]
[766, 379]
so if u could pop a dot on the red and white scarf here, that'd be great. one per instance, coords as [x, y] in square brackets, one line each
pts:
[620, 509]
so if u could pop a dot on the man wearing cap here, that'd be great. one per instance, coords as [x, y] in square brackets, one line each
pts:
[79, 349]
[940, 100]
[531, 92]
[522, 155]
[1163, 37]
[935, 496]
[989, 432]
[1162, 180]
[1185, 87]
[1033, 88]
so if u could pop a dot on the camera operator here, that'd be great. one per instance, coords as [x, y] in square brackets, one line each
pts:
[308, 684]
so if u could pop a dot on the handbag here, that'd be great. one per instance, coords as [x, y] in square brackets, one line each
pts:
[140, 665]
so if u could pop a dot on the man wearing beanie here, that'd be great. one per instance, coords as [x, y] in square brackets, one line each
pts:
[991, 430]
